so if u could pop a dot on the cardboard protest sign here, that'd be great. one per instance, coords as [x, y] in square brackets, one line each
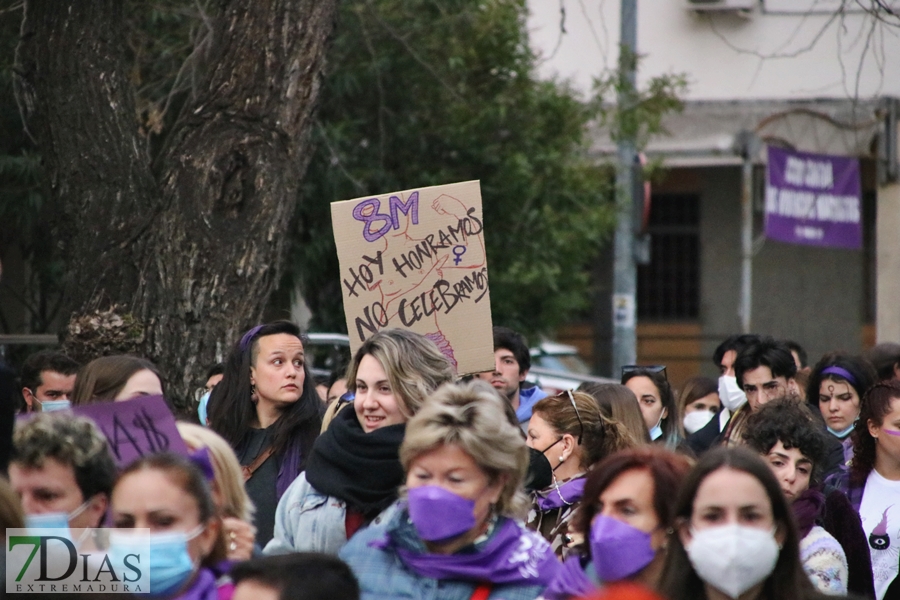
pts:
[416, 260]
[135, 428]
[813, 199]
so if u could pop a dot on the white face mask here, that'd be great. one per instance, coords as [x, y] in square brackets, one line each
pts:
[733, 558]
[696, 420]
[730, 394]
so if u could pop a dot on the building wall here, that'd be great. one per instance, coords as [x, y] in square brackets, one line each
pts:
[769, 54]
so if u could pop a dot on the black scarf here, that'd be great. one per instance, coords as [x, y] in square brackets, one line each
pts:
[362, 469]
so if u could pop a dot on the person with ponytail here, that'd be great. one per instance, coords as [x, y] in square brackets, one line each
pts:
[572, 433]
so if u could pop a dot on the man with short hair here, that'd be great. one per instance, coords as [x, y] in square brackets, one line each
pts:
[61, 468]
[765, 370]
[731, 395]
[47, 379]
[799, 354]
[512, 360]
[289, 576]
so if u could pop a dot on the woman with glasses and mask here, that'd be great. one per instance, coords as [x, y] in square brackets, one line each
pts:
[456, 534]
[657, 404]
[627, 515]
[573, 435]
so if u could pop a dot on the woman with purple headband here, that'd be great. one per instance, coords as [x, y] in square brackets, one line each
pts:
[872, 484]
[836, 385]
[267, 408]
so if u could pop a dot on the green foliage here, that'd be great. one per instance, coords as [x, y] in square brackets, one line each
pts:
[631, 113]
[421, 92]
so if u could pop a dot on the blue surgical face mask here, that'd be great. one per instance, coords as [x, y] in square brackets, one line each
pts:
[53, 520]
[202, 408]
[656, 431]
[169, 562]
[54, 405]
[842, 434]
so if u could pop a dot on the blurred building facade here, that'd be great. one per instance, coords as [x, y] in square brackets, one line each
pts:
[810, 75]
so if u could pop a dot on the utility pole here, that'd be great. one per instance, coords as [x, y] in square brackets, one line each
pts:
[624, 270]
[748, 145]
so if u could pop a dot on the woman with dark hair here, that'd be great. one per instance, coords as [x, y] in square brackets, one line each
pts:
[619, 403]
[736, 537]
[354, 470]
[788, 438]
[872, 483]
[627, 514]
[572, 433]
[657, 404]
[117, 378]
[698, 403]
[836, 385]
[267, 408]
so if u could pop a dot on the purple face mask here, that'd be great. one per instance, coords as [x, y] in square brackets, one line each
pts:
[439, 514]
[618, 550]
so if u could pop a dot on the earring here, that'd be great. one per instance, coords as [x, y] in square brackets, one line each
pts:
[254, 398]
[561, 458]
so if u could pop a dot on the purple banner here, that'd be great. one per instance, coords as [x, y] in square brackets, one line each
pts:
[813, 199]
[136, 427]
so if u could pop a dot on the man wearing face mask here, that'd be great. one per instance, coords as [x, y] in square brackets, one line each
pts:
[62, 471]
[730, 394]
[48, 378]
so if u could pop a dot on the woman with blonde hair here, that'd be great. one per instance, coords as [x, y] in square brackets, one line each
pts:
[210, 451]
[456, 533]
[571, 432]
[354, 469]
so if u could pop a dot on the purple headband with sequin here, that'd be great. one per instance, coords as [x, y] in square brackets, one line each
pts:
[840, 373]
[248, 337]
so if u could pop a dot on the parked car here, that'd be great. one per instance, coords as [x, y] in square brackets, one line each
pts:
[326, 352]
[558, 367]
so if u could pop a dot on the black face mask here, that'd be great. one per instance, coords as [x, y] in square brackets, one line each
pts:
[539, 475]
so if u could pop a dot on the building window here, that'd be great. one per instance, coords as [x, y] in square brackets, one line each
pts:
[669, 287]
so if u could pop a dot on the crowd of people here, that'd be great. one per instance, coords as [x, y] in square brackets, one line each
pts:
[397, 478]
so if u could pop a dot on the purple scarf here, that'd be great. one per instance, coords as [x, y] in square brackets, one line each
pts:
[558, 496]
[807, 508]
[570, 582]
[512, 555]
[203, 588]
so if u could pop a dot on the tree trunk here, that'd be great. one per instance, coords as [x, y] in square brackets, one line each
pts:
[172, 261]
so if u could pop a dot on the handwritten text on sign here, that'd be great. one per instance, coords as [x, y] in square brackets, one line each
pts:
[416, 260]
[135, 428]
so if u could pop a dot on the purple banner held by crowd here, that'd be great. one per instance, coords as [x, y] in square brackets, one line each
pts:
[136, 427]
[813, 199]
